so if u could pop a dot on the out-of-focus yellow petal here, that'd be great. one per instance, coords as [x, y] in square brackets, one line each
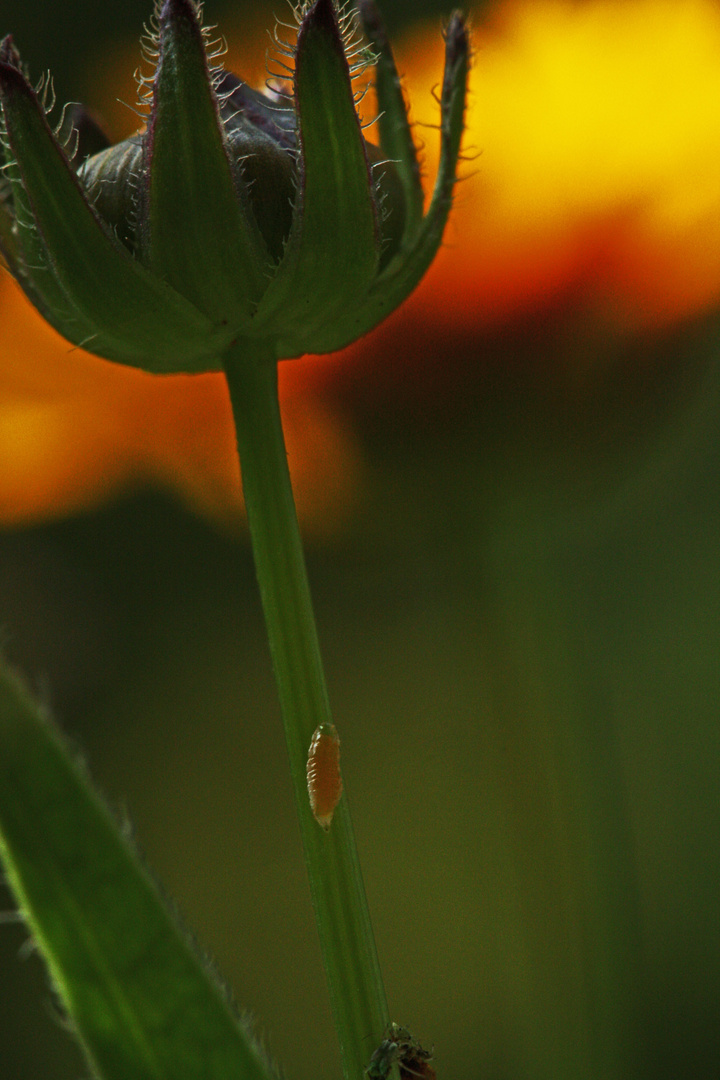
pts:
[598, 132]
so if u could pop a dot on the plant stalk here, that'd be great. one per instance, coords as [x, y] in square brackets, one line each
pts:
[355, 983]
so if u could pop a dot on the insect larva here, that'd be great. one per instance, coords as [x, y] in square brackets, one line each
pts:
[323, 774]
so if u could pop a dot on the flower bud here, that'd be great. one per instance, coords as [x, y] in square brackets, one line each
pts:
[235, 218]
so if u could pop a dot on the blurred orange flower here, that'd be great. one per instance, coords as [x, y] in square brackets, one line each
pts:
[75, 430]
[597, 129]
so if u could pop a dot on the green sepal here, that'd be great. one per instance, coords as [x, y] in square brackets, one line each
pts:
[260, 139]
[86, 279]
[140, 1000]
[403, 273]
[22, 245]
[110, 178]
[8, 243]
[396, 141]
[200, 233]
[332, 252]
[29, 263]
[8, 246]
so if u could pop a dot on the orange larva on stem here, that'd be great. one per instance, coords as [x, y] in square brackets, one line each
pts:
[323, 774]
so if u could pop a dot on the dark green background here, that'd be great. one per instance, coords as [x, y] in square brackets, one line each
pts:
[521, 636]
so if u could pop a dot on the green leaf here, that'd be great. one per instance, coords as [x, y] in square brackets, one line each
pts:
[142, 1003]
[404, 272]
[202, 236]
[332, 252]
[131, 316]
[396, 141]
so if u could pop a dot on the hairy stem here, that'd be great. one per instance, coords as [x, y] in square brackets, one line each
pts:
[355, 983]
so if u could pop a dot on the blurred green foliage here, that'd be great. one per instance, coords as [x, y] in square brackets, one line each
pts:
[521, 636]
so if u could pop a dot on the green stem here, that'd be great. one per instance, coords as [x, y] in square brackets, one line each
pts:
[348, 947]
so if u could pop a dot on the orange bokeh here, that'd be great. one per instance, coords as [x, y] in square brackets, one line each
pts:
[596, 127]
[597, 177]
[76, 430]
